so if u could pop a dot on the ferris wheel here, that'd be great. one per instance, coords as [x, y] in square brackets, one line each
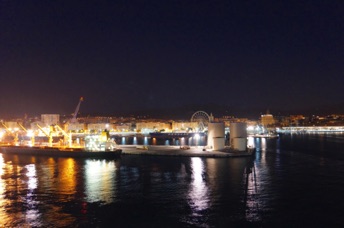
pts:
[202, 118]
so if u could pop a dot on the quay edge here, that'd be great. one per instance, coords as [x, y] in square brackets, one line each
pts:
[184, 151]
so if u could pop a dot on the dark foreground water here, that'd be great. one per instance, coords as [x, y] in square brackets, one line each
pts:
[295, 181]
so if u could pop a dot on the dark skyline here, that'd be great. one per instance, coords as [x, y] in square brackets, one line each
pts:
[128, 56]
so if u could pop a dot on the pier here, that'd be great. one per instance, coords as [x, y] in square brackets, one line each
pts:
[311, 129]
[183, 151]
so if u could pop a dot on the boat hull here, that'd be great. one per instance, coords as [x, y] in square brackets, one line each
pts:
[56, 152]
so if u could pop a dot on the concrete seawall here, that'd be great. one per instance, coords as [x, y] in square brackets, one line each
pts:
[180, 151]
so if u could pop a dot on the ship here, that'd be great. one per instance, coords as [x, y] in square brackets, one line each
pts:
[60, 152]
[96, 145]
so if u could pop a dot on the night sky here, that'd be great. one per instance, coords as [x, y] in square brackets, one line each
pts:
[127, 56]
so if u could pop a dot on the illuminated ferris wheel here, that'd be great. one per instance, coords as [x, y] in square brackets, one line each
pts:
[202, 118]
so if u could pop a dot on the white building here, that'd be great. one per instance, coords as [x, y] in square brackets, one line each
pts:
[50, 119]
[99, 127]
[146, 127]
[76, 127]
[184, 126]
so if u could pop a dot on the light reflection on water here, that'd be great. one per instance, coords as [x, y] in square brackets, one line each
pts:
[32, 215]
[278, 186]
[58, 192]
[3, 216]
[100, 177]
[198, 192]
[251, 198]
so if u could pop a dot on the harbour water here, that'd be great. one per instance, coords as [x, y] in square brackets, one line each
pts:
[294, 181]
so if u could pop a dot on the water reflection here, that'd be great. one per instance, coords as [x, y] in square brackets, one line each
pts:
[31, 174]
[263, 144]
[281, 186]
[100, 179]
[123, 142]
[145, 141]
[32, 213]
[252, 212]
[250, 142]
[199, 192]
[2, 191]
[67, 176]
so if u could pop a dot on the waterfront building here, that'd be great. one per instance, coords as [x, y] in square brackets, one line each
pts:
[267, 120]
[11, 125]
[231, 119]
[184, 126]
[146, 127]
[311, 129]
[75, 127]
[99, 127]
[122, 127]
[296, 120]
[50, 119]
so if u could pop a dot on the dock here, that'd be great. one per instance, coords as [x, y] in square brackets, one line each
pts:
[182, 151]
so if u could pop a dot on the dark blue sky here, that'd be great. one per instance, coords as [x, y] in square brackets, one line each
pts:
[125, 56]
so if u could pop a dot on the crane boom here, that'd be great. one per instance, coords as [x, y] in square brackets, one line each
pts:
[32, 136]
[50, 137]
[67, 138]
[73, 120]
[7, 129]
[15, 140]
[46, 133]
[22, 127]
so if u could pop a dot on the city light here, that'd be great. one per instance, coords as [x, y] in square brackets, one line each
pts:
[30, 133]
[250, 128]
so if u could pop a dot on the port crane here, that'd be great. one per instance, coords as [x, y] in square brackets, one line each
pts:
[67, 138]
[49, 135]
[74, 120]
[15, 140]
[26, 131]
